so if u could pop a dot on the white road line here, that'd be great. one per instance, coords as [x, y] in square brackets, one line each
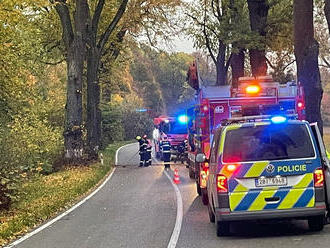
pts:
[117, 152]
[179, 213]
[49, 223]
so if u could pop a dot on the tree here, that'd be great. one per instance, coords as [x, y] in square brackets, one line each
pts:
[221, 28]
[73, 39]
[258, 11]
[80, 39]
[95, 49]
[327, 11]
[307, 52]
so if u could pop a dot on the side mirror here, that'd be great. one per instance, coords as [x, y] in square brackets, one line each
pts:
[201, 158]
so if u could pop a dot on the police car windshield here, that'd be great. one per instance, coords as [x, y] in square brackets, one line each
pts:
[267, 142]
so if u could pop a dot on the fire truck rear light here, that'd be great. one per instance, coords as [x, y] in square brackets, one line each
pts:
[300, 105]
[205, 108]
[222, 184]
[318, 178]
[253, 89]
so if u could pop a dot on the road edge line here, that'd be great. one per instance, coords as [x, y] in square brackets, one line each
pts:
[179, 214]
[117, 152]
[49, 223]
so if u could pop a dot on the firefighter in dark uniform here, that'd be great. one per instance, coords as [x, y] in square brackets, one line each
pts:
[142, 150]
[147, 158]
[166, 149]
[149, 150]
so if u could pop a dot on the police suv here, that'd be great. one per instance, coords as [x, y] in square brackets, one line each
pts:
[267, 167]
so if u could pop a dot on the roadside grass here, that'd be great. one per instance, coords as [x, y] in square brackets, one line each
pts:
[43, 197]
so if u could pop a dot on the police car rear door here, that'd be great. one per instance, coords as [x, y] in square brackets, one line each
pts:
[325, 161]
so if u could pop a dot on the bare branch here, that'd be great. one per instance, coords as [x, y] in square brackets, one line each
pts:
[207, 40]
[270, 64]
[105, 36]
[293, 61]
[64, 14]
[52, 63]
[325, 61]
[97, 16]
[229, 61]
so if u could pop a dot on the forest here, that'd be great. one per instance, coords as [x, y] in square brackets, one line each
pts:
[78, 75]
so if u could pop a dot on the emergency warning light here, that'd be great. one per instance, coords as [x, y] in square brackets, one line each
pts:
[278, 119]
[300, 105]
[252, 89]
[183, 119]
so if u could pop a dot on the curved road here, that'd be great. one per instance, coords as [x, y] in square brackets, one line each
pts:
[137, 208]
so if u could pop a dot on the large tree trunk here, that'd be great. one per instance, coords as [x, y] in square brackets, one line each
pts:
[307, 52]
[237, 67]
[93, 101]
[73, 39]
[327, 12]
[258, 12]
[221, 65]
[73, 129]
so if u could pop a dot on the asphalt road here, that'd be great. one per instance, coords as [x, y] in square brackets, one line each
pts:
[137, 208]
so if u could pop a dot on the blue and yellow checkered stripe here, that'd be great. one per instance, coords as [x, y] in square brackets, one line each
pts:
[243, 199]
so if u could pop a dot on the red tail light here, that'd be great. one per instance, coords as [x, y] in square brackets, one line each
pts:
[318, 178]
[300, 105]
[222, 184]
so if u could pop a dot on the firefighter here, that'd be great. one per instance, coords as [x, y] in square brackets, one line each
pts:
[142, 150]
[148, 154]
[166, 149]
[147, 158]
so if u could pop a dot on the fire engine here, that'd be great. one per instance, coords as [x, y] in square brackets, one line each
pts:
[175, 128]
[217, 103]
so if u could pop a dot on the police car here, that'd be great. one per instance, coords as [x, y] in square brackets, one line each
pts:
[267, 167]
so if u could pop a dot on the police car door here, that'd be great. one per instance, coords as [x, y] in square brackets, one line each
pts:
[325, 161]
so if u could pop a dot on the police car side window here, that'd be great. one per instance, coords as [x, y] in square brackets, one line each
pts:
[214, 151]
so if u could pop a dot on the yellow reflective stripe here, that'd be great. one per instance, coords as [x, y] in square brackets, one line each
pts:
[291, 199]
[259, 203]
[311, 202]
[305, 181]
[235, 199]
[239, 188]
[222, 141]
[295, 193]
[256, 169]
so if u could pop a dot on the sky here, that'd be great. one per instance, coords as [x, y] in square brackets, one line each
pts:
[182, 44]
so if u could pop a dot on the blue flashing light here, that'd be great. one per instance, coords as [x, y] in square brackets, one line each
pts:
[141, 110]
[278, 119]
[183, 119]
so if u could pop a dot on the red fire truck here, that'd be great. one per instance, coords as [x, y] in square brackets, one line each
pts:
[175, 128]
[217, 103]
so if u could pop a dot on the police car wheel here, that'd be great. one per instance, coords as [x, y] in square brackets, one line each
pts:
[316, 223]
[211, 214]
[223, 228]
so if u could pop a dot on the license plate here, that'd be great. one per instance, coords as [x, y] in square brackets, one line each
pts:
[271, 181]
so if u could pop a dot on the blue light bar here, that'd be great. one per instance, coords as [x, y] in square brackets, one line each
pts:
[183, 119]
[141, 110]
[278, 119]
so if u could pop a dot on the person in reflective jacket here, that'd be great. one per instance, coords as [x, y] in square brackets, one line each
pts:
[142, 150]
[166, 150]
